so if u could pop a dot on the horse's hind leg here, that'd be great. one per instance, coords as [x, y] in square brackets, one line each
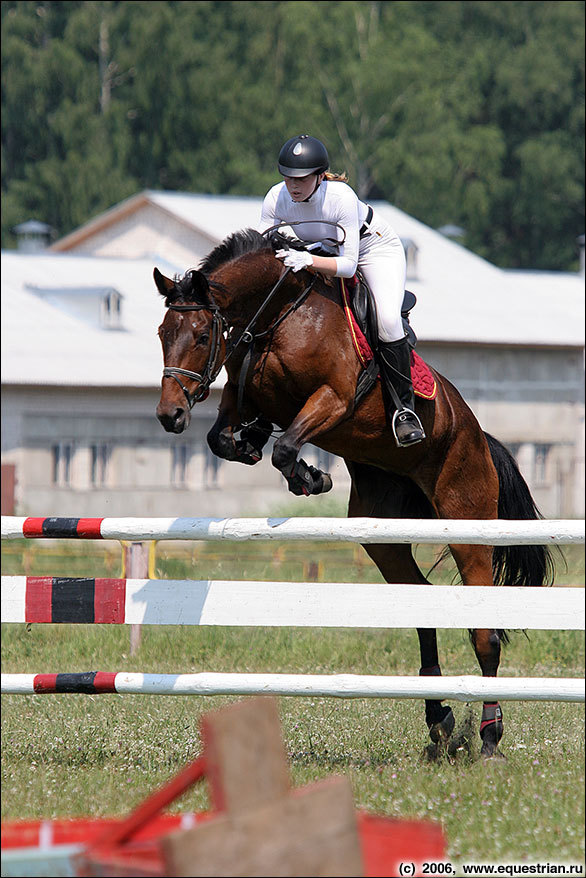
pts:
[469, 488]
[487, 646]
[396, 563]
[378, 494]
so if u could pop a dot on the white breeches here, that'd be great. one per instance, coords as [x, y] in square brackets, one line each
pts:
[382, 262]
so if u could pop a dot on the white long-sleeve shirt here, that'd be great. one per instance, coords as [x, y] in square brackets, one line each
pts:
[334, 201]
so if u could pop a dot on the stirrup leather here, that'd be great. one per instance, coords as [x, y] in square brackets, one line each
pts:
[404, 414]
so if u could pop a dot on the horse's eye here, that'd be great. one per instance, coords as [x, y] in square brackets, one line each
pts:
[204, 338]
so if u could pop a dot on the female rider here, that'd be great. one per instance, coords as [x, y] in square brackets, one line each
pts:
[309, 193]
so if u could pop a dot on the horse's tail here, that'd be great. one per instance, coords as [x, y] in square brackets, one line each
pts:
[517, 565]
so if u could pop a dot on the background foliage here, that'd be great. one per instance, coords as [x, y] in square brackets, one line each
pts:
[457, 112]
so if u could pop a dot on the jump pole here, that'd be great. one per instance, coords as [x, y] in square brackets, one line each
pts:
[497, 532]
[466, 688]
[32, 599]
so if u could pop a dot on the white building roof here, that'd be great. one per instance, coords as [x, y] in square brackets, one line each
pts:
[461, 299]
[45, 344]
[460, 296]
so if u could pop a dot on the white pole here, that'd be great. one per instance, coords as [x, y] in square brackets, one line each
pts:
[324, 604]
[464, 688]
[497, 532]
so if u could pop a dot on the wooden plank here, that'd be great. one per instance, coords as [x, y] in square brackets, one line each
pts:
[312, 832]
[246, 761]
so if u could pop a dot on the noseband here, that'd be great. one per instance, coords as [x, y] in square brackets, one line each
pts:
[212, 369]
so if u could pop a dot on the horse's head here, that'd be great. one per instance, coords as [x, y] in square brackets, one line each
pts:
[193, 346]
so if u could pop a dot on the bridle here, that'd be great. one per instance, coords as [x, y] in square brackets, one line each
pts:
[212, 369]
[219, 327]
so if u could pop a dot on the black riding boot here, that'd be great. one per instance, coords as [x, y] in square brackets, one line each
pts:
[395, 365]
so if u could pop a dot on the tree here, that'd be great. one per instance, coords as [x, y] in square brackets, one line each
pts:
[469, 113]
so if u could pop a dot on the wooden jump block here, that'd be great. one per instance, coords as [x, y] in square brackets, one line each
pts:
[260, 826]
[246, 762]
[310, 833]
[264, 828]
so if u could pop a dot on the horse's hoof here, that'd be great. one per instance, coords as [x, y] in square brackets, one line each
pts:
[440, 732]
[326, 483]
[437, 752]
[492, 755]
[299, 490]
[247, 453]
[308, 480]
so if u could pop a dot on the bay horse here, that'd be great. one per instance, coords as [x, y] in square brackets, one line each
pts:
[286, 346]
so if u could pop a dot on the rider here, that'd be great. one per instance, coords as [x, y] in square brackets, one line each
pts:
[309, 193]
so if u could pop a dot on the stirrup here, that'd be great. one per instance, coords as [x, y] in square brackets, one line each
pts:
[417, 431]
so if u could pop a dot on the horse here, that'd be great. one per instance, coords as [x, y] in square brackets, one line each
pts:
[284, 341]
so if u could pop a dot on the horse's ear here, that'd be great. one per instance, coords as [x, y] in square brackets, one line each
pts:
[199, 285]
[164, 285]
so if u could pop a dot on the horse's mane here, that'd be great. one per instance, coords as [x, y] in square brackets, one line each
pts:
[235, 245]
[187, 288]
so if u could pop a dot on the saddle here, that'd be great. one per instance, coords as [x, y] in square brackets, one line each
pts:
[360, 310]
[363, 308]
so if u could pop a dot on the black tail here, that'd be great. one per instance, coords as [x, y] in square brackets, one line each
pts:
[517, 565]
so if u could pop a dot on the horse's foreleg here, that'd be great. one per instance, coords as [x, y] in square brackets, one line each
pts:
[439, 717]
[322, 411]
[253, 439]
[222, 437]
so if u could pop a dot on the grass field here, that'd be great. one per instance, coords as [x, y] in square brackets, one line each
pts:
[100, 755]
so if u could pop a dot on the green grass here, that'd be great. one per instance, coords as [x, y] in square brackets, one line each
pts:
[100, 755]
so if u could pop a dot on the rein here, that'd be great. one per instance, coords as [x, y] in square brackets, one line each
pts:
[251, 339]
[284, 224]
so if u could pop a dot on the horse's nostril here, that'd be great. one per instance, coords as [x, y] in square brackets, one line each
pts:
[172, 421]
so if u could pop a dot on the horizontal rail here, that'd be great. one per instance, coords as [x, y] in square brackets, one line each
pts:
[463, 688]
[497, 532]
[332, 605]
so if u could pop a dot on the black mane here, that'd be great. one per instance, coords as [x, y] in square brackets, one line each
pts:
[235, 245]
[193, 285]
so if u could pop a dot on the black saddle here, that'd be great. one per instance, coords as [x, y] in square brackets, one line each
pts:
[364, 310]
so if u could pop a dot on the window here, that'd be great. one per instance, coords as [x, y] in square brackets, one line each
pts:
[540, 476]
[411, 250]
[99, 457]
[62, 460]
[179, 462]
[211, 469]
[323, 460]
[111, 310]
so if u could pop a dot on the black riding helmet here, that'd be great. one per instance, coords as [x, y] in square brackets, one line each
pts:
[303, 155]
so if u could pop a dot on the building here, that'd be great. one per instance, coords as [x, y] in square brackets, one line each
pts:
[81, 366]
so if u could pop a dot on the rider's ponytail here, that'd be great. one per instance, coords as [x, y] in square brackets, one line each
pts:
[337, 178]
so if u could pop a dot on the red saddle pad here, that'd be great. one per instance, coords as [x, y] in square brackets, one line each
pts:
[424, 383]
